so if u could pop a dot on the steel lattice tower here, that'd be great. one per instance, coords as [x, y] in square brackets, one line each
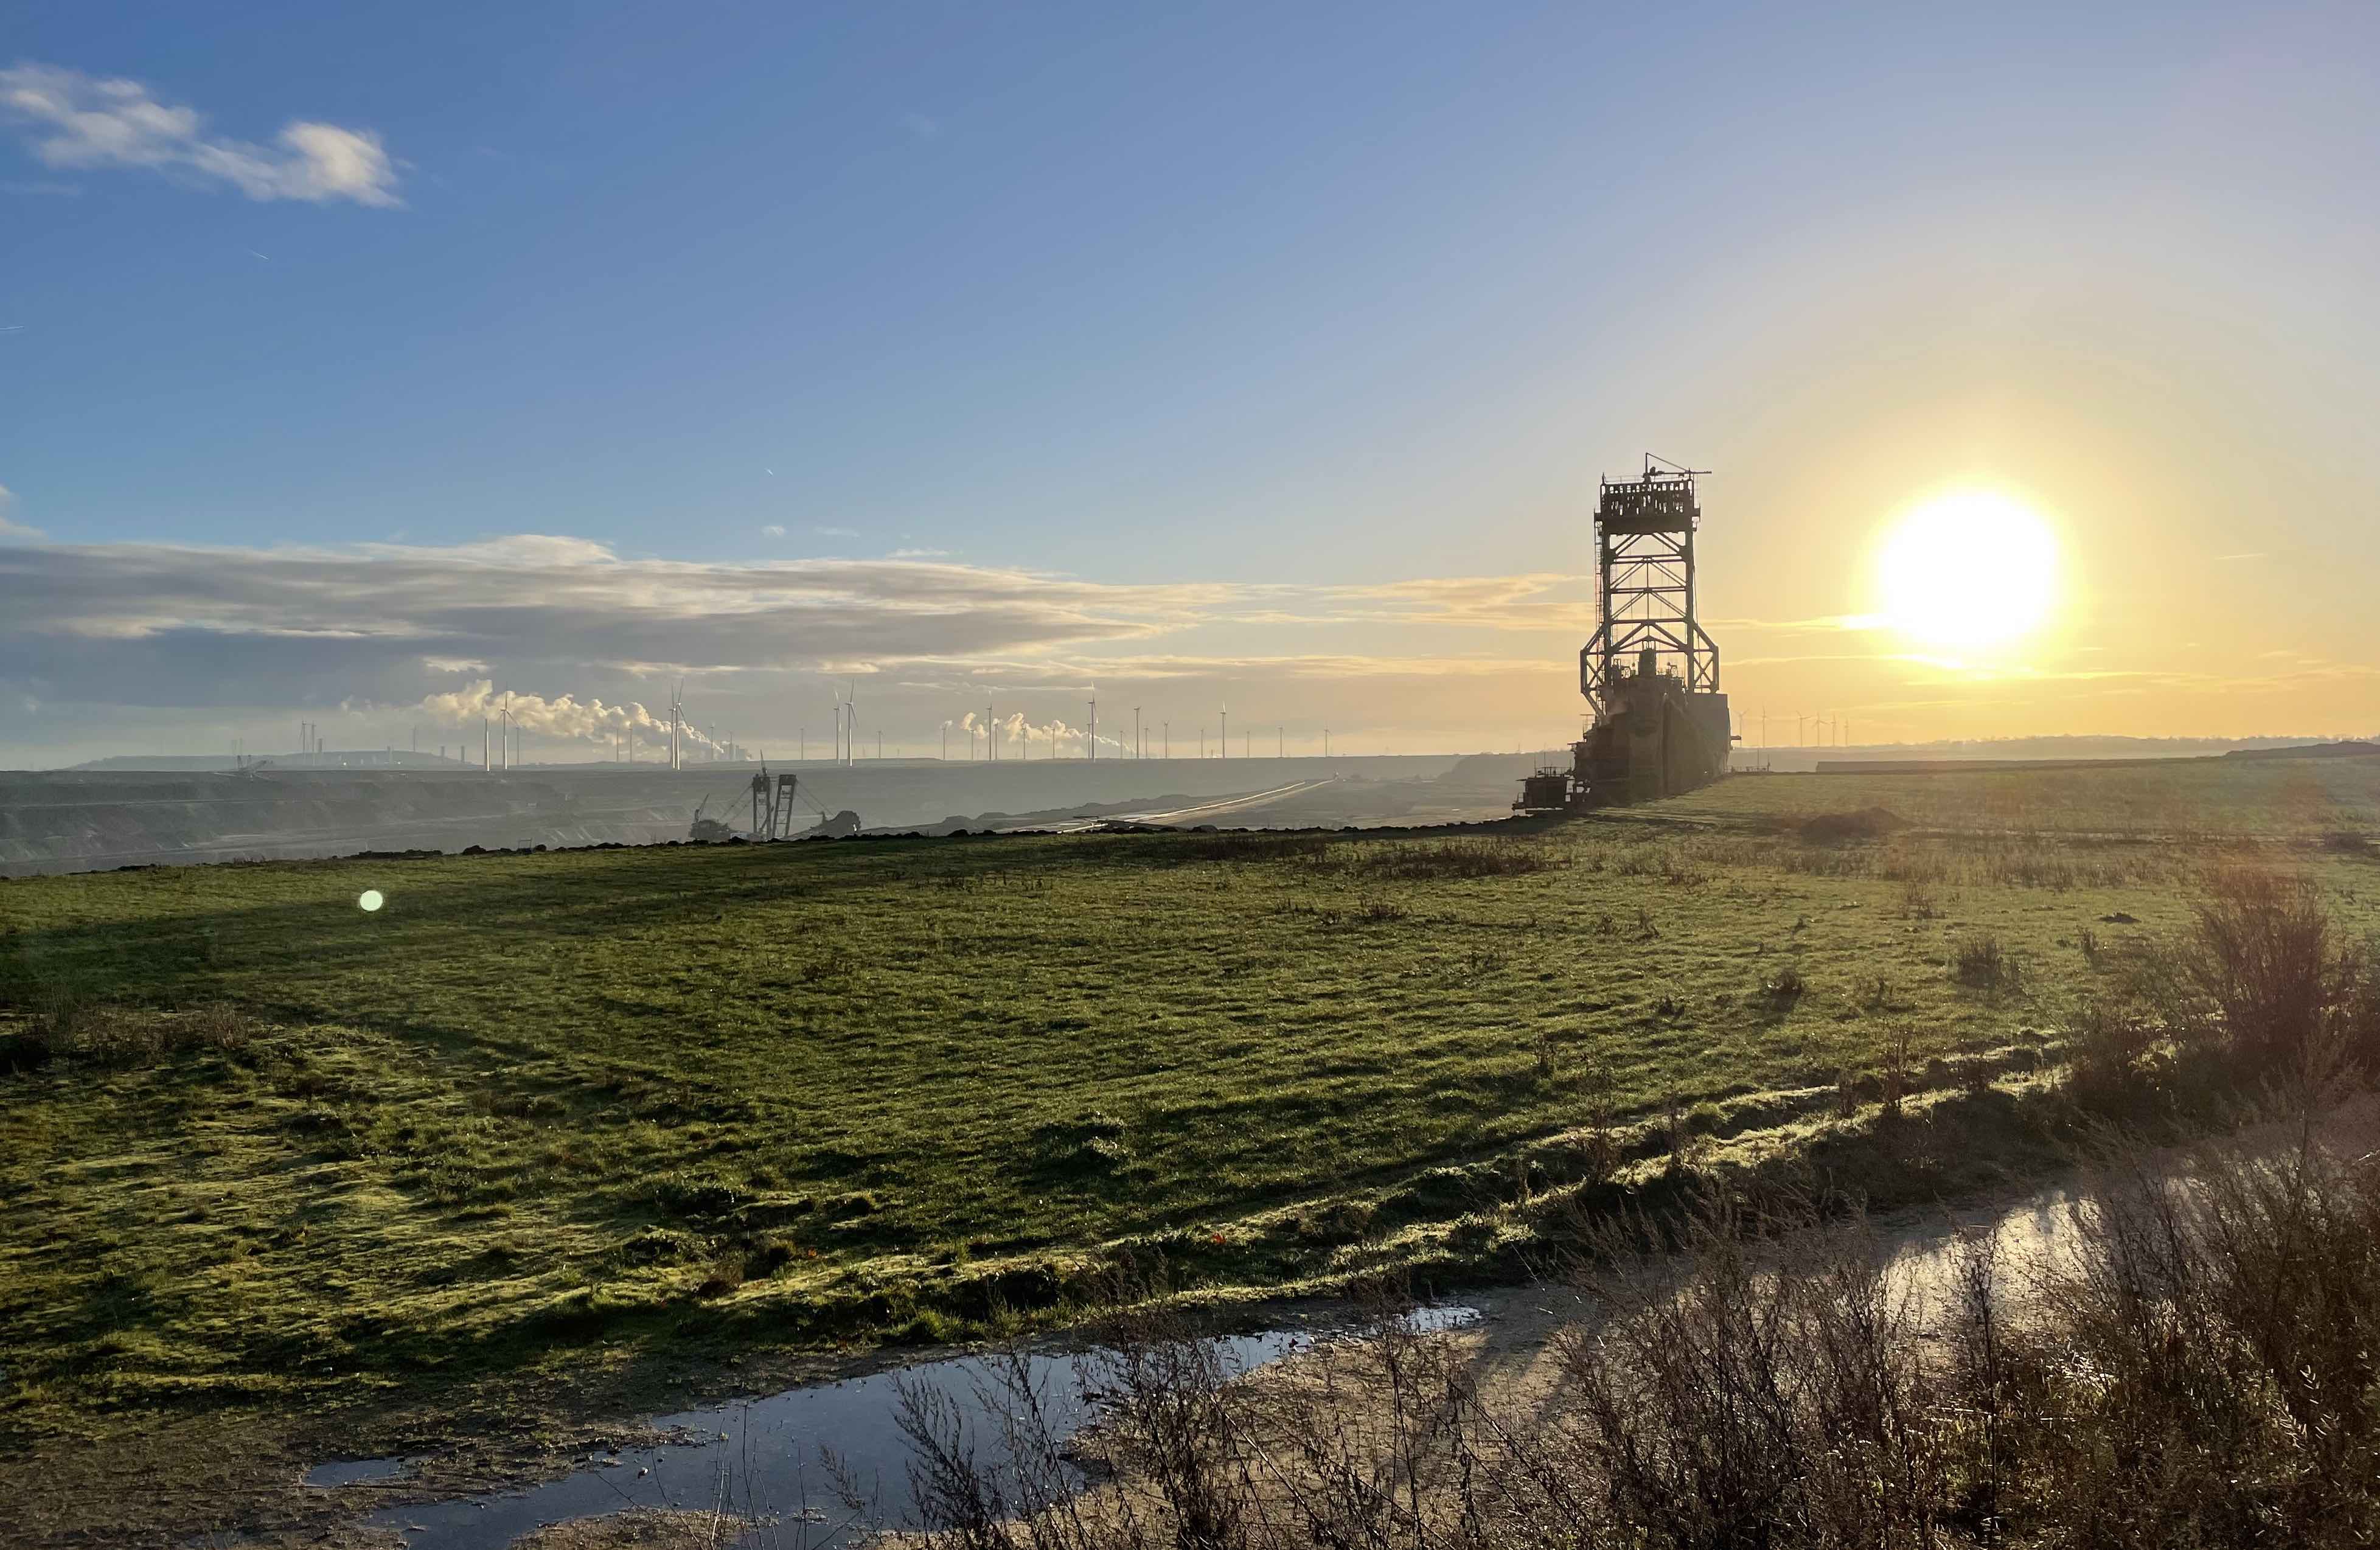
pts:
[1645, 563]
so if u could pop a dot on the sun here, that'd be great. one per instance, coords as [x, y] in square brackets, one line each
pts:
[1974, 569]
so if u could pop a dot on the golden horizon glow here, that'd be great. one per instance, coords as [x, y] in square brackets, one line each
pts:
[1971, 569]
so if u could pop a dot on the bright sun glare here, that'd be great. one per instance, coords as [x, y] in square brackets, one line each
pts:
[1971, 569]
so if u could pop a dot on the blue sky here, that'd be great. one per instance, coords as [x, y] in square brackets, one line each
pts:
[1326, 297]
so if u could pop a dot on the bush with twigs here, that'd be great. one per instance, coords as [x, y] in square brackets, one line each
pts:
[2197, 1367]
[2261, 956]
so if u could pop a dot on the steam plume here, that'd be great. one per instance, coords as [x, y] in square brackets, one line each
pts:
[561, 716]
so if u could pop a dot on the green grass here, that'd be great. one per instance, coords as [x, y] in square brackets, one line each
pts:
[801, 1093]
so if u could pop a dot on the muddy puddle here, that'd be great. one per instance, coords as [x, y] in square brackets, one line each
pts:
[356, 1471]
[792, 1461]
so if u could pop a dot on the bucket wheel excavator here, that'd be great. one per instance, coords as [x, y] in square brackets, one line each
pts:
[1650, 675]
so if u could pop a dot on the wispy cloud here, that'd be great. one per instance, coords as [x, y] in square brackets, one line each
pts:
[158, 623]
[1824, 623]
[13, 529]
[1081, 675]
[920, 554]
[37, 189]
[378, 608]
[77, 120]
[775, 530]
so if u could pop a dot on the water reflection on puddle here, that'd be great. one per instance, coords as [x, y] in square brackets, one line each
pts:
[766, 1456]
[352, 1471]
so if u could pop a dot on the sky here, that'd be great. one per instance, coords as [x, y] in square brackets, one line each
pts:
[358, 363]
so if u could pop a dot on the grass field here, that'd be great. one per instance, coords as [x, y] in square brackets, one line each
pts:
[544, 1110]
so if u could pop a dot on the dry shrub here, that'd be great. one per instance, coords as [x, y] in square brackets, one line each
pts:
[92, 1033]
[216, 1025]
[1766, 1390]
[2112, 1042]
[1455, 858]
[1361, 859]
[1981, 963]
[2261, 954]
[1167, 1420]
[2204, 1370]
[2253, 996]
[1597, 1088]
[1898, 1073]
[2198, 1368]
[1242, 846]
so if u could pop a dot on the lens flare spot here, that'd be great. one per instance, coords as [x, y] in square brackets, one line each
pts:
[369, 899]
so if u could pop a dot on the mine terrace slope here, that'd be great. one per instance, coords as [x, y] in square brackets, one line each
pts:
[276, 1162]
[95, 819]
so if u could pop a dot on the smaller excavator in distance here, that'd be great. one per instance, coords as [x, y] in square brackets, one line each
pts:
[773, 803]
[776, 804]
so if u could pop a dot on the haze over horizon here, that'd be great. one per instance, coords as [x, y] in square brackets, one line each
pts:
[357, 366]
